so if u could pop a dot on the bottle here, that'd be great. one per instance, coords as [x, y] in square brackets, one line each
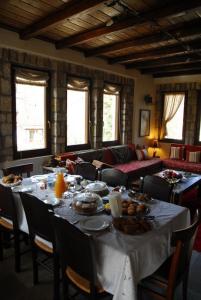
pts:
[60, 185]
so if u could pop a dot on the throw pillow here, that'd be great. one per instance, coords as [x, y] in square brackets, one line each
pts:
[132, 149]
[193, 156]
[108, 157]
[142, 154]
[176, 152]
[122, 154]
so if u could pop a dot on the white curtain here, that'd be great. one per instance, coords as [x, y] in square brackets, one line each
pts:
[171, 106]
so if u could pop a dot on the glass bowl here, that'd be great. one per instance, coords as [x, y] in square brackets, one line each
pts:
[87, 203]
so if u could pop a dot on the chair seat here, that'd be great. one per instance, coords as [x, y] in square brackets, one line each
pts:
[44, 244]
[81, 282]
[158, 281]
[6, 223]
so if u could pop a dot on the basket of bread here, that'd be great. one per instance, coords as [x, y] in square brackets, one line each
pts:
[131, 226]
[11, 180]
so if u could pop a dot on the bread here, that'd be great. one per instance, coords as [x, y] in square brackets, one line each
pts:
[131, 226]
[11, 178]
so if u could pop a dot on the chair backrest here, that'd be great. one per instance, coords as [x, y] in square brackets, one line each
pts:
[157, 187]
[86, 170]
[6, 202]
[19, 170]
[114, 177]
[7, 205]
[183, 241]
[75, 249]
[38, 217]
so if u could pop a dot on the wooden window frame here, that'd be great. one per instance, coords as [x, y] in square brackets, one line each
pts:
[87, 145]
[118, 117]
[182, 141]
[36, 152]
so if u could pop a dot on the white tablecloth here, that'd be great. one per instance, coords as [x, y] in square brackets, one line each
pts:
[123, 260]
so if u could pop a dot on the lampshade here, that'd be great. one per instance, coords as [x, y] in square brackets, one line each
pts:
[155, 144]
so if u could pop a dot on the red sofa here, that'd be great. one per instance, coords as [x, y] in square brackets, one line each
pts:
[183, 164]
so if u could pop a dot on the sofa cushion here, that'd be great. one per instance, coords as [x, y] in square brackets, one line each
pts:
[122, 154]
[133, 152]
[142, 154]
[136, 168]
[108, 157]
[182, 165]
[193, 156]
[177, 151]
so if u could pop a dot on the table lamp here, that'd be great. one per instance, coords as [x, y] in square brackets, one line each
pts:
[154, 146]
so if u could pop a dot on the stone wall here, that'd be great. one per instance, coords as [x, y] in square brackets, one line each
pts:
[192, 89]
[59, 72]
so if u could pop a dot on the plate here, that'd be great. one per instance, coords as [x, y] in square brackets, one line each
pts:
[94, 223]
[96, 186]
[39, 177]
[52, 201]
[22, 189]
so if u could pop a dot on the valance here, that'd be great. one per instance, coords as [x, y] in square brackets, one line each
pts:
[112, 88]
[78, 83]
[31, 77]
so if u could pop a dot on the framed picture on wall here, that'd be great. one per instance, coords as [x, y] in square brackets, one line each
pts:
[144, 127]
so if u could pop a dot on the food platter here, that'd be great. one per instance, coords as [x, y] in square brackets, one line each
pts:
[132, 226]
[98, 187]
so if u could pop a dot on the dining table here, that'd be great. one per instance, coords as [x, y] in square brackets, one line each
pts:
[122, 260]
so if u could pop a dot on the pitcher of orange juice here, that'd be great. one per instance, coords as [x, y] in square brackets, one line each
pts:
[60, 185]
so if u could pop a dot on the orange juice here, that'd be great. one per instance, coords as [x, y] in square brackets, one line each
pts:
[60, 186]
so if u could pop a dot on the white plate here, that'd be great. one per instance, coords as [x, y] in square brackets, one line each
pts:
[52, 201]
[39, 177]
[95, 223]
[16, 189]
[96, 186]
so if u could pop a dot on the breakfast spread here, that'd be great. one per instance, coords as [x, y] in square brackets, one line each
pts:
[131, 226]
[11, 178]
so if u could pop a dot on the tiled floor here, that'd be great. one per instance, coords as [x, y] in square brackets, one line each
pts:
[18, 286]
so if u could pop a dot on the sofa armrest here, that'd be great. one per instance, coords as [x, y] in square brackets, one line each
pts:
[101, 165]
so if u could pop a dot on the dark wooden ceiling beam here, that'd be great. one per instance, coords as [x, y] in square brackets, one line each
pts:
[181, 67]
[158, 52]
[157, 13]
[177, 73]
[67, 11]
[177, 59]
[181, 30]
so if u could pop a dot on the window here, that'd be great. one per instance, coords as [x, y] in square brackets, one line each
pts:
[111, 113]
[77, 113]
[30, 113]
[173, 116]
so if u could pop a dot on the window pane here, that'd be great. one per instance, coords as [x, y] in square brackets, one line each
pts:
[175, 125]
[77, 117]
[30, 117]
[110, 117]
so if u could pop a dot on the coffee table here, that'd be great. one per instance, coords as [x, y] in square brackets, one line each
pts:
[189, 181]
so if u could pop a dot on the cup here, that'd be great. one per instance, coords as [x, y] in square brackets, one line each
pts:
[115, 204]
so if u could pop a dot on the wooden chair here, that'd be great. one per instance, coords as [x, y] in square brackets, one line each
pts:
[19, 170]
[86, 170]
[157, 187]
[41, 235]
[77, 260]
[175, 270]
[114, 177]
[9, 223]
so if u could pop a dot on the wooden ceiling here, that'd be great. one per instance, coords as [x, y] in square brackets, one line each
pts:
[162, 38]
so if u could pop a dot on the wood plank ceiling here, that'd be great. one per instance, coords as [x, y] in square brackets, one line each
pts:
[162, 38]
